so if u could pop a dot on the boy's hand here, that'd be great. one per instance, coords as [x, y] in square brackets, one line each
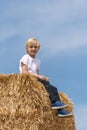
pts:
[44, 78]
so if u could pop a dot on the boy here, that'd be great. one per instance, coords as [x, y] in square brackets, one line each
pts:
[29, 64]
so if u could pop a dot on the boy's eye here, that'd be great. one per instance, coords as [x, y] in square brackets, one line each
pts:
[33, 46]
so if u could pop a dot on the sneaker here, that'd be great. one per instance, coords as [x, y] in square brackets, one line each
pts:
[64, 113]
[59, 105]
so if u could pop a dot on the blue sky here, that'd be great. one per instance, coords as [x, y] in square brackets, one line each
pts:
[61, 27]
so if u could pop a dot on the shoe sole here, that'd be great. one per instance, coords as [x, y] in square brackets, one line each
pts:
[60, 107]
[59, 115]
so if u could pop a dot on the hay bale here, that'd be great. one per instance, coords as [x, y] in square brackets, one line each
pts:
[25, 105]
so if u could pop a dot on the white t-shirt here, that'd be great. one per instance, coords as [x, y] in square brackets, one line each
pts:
[33, 64]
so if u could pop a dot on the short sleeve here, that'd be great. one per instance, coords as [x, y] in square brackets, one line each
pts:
[23, 60]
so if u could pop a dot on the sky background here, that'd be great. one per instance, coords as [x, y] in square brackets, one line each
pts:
[61, 28]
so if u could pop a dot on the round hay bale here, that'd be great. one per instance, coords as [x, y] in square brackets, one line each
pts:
[25, 105]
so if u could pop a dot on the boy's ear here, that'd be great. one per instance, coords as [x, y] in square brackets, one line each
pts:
[38, 47]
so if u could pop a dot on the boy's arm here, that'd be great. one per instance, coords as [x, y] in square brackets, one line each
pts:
[25, 71]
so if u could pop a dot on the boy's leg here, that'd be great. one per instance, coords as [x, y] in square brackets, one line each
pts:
[53, 92]
[55, 99]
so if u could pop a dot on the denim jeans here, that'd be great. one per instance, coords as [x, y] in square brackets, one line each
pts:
[53, 92]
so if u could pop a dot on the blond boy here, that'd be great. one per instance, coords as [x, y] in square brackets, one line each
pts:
[29, 64]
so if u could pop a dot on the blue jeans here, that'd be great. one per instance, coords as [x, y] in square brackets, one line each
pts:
[53, 92]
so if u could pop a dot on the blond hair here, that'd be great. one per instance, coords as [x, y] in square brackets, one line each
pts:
[31, 42]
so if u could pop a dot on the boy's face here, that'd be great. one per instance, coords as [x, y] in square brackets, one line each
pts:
[32, 50]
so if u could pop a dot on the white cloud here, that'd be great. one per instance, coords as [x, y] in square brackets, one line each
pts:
[65, 42]
[62, 11]
[81, 116]
[7, 31]
[60, 24]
